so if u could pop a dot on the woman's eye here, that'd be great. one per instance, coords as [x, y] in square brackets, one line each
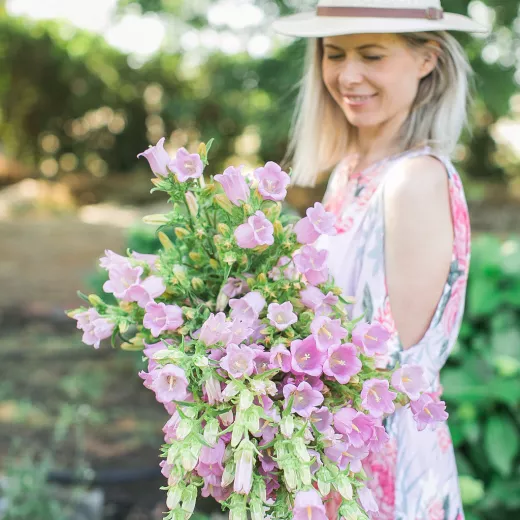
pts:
[373, 58]
[335, 57]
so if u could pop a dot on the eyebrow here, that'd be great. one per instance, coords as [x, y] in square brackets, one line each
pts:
[362, 47]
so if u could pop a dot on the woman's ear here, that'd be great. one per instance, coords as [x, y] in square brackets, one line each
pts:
[430, 58]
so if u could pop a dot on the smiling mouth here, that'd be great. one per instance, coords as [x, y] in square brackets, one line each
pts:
[358, 99]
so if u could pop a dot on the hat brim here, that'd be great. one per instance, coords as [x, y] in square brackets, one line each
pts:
[310, 25]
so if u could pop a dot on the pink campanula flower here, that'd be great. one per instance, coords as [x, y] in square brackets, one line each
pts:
[427, 411]
[95, 328]
[306, 399]
[238, 361]
[170, 428]
[169, 384]
[186, 166]
[247, 308]
[410, 380]
[215, 329]
[158, 158]
[327, 333]
[235, 287]
[111, 260]
[146, 291]
[321, 419]
[151, 260]
[376, 398]
[367, 501]
[257, 231]
[318, 302]
[345, 455]
[234, 184]
[312, 264]
[280, 357]
[213, 390]
[317, 464]
[317, 222]
[239, 331]
[160, 317]
[285, 268]
[219, 493]
[151, 349]
[121, 278]
[371, 338]
[261, 362]
[281, 316]
[342, 363]
[309, 506]
[272, 181]
[306, 357]
[356, 426]
[210, 460]
[244, 460]
[379, 438]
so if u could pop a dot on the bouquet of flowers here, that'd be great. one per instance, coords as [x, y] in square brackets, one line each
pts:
[272, 389]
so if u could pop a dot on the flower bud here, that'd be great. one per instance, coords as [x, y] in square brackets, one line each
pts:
[174, 496]
[270, 387]
[214, 264]
[258, 386]
[261, 278]
[123, 327]
[256, 508]
[201, 361]
[95, 300]
[156, 220]
[227, 418]
[211, 431]
[134, 345]
[344, 487]
[156, 181]
[252, 420]
[351, 511]
[193, 207]
[246, 399]
[229, 474]
[278, 228]
[165, 241]
[188, 460]
[304, 473]
[287, 426]
[181, 233]
[243, 260]
[197, 284]
[238, 433]
[290, 477]
[230, 258]
[223, 229]
[189, 497]
[323, 481]
[272, 210]
[230, 391]
[184, 429]
[173, 451]
[224, 203]
[301, 450]
[195, 257]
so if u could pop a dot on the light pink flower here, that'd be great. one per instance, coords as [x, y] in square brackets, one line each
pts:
[235, 287]
[313, 264]
[247, 308]
[317, 222]
[410, 380]
[215, 329]
[95, 328]
[376, 398]
[151, 349]
[158, 158]
[427, 412]
[146, 291]
[284, 269]
[213, 390]
[372, 338]
[210, 460]
[238, 361]
[315, 300]
[272, 181]
[367, 501]
[186, 166]
[257, 231]
[280, 357]
[356, 426]
[342, 363]
[321, 418]
[234, 184]
[308, 506]
[169, 384]
[160, 317]
[111, 260]
[327, 333]
[306, 357]
[239, 331]
[121, 279]
[170, 428]
[344, 455]
[379, 438]
[281, 316]
[306, 399]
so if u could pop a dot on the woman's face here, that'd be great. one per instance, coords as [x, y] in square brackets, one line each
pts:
[373, 77]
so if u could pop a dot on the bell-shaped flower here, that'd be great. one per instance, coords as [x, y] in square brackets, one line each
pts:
[306, 357]
[210, 461]
[272, 181]
[95, 328]
[428, 412]
[356, 426]
[121, 278]
[170, 428]
[111, 260]
[308, 505]
[186, 166]
[160, 317]
[410, 380]
[347, 456]
[379, 438]
[317, 222]
[318, 302]
[367, 500]
[146, 291]
[239, 331]
[247, 308]
[238, 361]
[151, 349]
[157, 158]
[376, 398]
[306, 399]
[235, 185]
[169, 384]
[215, 329]
[281, 316]
[280, 357]
[235, 287]
[312, 264]
[321, 419]
[371, 338]
[257, 231]
[244, 460]
[213, 390]
[327, 333]
[284, 268]
[342, 363]
[262, 362]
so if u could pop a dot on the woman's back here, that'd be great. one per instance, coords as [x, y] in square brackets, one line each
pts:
[415, 477]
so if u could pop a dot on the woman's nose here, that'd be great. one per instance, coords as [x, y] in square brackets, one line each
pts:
[351, 72]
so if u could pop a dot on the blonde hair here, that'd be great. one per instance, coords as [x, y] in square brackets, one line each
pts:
[319, 135]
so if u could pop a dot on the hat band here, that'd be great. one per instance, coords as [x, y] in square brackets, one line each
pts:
[432, 13]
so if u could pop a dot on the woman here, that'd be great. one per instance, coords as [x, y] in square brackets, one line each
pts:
[384, 99]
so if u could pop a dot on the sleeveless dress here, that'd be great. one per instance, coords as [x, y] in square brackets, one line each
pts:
[415, 477]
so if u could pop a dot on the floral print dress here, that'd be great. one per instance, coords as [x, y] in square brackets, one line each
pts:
[415, 477]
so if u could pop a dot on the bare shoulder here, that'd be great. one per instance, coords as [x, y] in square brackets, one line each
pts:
[418, 242]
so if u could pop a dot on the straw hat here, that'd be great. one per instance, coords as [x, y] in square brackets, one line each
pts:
[336, 17]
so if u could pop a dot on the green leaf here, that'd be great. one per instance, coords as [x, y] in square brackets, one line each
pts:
[501, 443]
[471, 490]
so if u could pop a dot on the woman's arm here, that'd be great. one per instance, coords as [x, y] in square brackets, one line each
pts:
[418, 243]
